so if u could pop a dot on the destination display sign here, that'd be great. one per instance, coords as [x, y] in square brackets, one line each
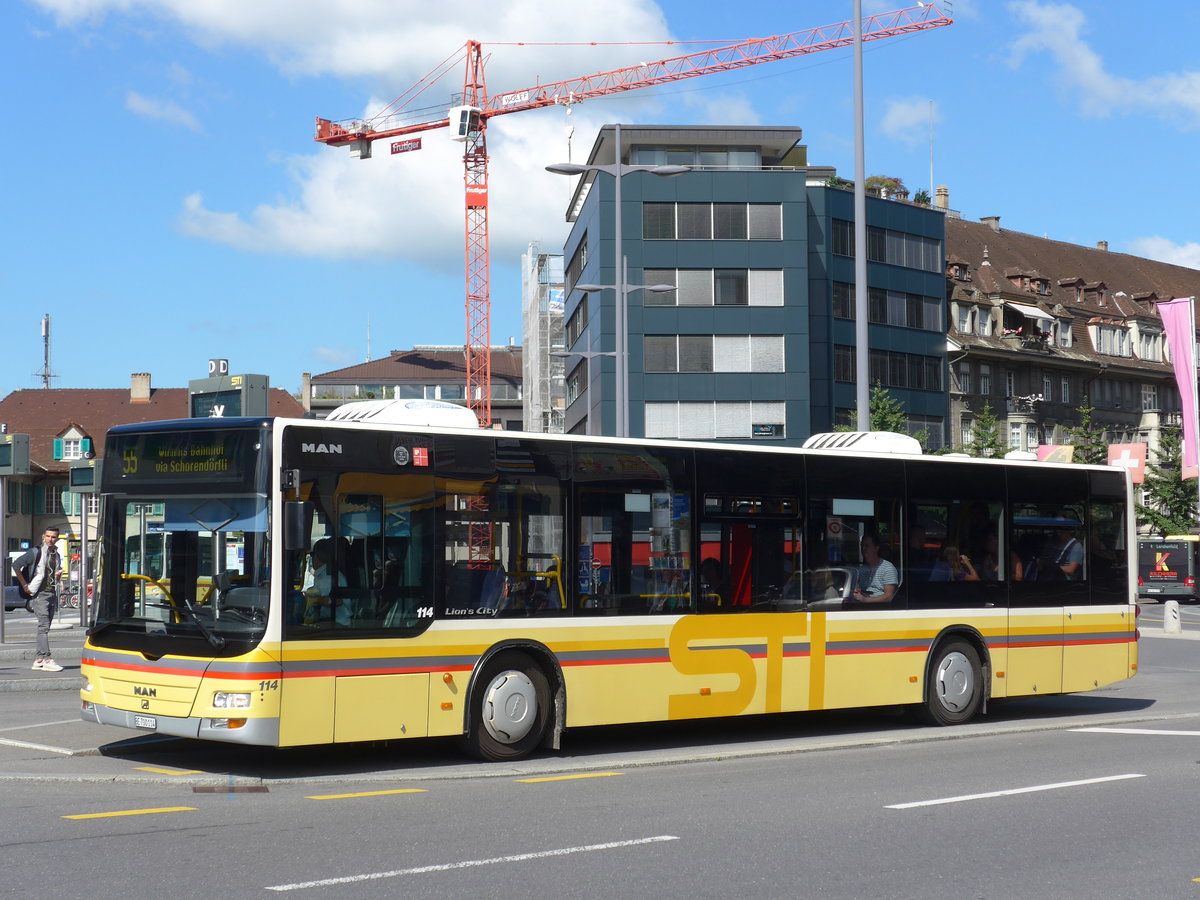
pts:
[202, 456]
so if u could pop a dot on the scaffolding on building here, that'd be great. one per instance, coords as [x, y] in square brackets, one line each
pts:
[542, 314]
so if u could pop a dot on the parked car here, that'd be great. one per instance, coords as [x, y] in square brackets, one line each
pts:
[13, 598]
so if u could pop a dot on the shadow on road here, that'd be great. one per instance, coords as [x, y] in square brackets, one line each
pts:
[589, 747]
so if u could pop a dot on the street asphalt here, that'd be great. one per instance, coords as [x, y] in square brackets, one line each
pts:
[19, 650]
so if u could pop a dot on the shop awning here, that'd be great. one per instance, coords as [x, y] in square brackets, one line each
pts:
[1030, 312]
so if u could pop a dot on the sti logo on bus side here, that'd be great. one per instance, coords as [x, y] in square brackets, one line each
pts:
[320, 448]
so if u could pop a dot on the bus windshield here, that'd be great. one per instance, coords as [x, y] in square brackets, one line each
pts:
[188, 566]
[184, 569]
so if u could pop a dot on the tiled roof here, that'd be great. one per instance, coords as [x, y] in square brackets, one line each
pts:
[1114, 287]
[1065, 265]
[423, 366]
[45, 414]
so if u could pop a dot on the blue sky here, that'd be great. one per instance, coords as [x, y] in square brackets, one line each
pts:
[167, 204]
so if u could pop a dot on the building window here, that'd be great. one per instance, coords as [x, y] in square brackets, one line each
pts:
[1014, 436]
[891, 368]
[1112, 340]
[843, 237]
[966, 431]
[843, 300]
[844, 365]
[714, 353]
[719, 287]
[707, 421]
[693, 221]
[1047, 388]
[729, 221]
[731, 287]
[983, 324]
[54, 498]
[575, 267]
[1149, 397]
[928, 427]
[964, 377]
[1010, 384]
[712, 221]
[576, 381]
[965, 314]
[985, 379]
[893, 247]
[1064, 390]
[577, 322]
[1150, 346]
[658, 221]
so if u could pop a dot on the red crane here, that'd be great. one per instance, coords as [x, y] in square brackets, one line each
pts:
[469, 123]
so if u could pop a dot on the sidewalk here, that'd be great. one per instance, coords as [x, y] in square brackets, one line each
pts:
[19, 650]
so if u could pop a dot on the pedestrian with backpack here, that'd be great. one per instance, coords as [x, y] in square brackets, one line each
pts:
[38, 571]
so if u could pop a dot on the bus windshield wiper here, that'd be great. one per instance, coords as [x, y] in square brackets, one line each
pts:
[215, 639]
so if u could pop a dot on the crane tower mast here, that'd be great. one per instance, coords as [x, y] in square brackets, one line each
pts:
[469, 124]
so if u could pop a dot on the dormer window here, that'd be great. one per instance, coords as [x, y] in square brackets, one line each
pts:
[1111, 340]
[1041, 286]
[1149, 345]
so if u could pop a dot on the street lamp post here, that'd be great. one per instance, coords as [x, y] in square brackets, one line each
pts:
[618, 171]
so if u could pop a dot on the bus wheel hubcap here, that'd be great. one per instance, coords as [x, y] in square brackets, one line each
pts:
[955, 682]
[509, 707]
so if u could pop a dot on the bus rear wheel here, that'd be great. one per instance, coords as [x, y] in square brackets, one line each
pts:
[510, 710]
[955, 690]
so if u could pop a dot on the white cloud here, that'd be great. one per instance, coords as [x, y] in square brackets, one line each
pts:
[907, 120]
[160, 110]
[398, 39]
[1167, 251]
[1057, 29]
[409, 206]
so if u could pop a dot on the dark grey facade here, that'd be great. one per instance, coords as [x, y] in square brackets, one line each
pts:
[752, 344]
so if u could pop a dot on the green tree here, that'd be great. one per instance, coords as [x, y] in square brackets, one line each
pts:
[1172, 506]
[887, 413]
[1088, 438]
[986, 439]
[878, 183]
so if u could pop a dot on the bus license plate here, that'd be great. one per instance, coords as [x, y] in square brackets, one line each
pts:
[145, 722]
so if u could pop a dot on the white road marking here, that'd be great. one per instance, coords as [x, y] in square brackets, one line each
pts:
[1009, 793]
[1137, 731]
[41, 724]
[24, 745]
[469, 863]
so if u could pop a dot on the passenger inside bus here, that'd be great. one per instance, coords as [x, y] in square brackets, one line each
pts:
[321, 600]
[877, 578]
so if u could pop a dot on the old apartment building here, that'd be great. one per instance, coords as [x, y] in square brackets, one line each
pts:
[1039, 327]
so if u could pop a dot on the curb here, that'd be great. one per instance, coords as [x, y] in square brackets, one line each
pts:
[45, 684]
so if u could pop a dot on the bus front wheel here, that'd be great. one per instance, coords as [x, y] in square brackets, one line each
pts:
[955, 690]
[511, 709]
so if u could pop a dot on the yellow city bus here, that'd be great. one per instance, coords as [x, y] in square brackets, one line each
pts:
[339, 581]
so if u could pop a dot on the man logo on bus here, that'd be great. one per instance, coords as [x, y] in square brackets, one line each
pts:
[1160, 562]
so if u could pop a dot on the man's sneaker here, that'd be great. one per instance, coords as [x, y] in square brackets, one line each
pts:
[48, 665]
[39, 663]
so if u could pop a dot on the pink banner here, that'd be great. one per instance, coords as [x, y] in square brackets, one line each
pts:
[1179, 322]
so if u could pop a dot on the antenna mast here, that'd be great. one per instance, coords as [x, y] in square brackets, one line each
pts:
[45, 374]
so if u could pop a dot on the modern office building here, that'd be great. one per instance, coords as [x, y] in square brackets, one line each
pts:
[756, 341]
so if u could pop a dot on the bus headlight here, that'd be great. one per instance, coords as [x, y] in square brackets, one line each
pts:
[229, 700]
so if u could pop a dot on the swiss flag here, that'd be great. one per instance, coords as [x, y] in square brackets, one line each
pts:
[1131, 457]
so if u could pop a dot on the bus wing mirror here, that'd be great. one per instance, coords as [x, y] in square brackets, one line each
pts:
[297, 524]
